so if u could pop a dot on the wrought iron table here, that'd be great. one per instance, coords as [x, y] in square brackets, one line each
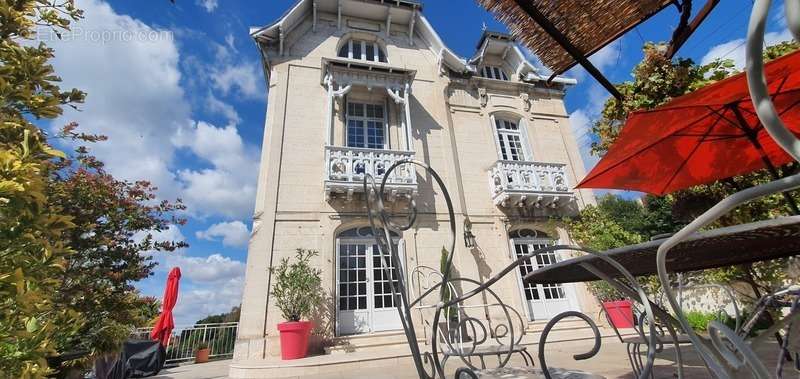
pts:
[724, 247]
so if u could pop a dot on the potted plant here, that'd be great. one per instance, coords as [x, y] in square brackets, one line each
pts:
[201, 352]
[296, 292]
[618, 309]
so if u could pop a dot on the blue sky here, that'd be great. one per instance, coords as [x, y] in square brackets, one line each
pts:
[180, 92]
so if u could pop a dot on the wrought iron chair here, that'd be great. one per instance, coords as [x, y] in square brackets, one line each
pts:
[454, 335]
[470, 332]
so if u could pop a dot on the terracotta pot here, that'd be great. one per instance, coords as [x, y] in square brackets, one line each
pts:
[620, 313]
[201, 355]
[294, 339]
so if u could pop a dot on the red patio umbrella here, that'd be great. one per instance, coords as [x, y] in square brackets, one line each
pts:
[710, 134]
[163, 328]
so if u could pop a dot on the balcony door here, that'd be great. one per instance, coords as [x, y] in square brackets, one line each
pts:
[365, 303]
[543, 301]
[366, 126]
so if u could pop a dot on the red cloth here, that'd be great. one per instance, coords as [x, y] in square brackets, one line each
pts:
[697, 138]
[163, 328]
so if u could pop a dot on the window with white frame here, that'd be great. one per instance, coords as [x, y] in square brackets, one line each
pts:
[363, 50]
[493, 72]
[366, 125]
[510, 139]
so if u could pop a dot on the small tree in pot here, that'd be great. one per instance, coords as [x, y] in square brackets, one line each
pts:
[297, 291]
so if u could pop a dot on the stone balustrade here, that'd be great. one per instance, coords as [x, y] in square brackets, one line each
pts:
[345, 168]
[537, 184]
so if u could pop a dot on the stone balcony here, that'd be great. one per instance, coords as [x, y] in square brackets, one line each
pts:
[529, 184]
[345, 168]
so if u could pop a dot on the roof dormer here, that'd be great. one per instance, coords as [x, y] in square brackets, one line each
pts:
[498, 57]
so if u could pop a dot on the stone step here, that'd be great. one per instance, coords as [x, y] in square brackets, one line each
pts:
[565, 324]
[368, 342]
[565, 330]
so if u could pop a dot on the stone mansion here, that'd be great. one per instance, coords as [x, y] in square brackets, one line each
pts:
[355, 85]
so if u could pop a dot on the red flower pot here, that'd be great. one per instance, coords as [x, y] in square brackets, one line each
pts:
[620, 313]
[201, 355]
[294, 339]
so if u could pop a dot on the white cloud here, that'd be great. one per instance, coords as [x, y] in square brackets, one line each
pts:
[229, 187]
[233, 234]
[209, 285]
[197, 302]
[134, 96]
[581, 125]
[581, 121]
[214, 268]
[208, 5]
[243, 79]
[735, 49]
[217, 106]
[131, 74]
[603, 59]
[171, 233]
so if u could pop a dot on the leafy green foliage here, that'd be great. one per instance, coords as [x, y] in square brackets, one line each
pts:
[68, 251]
[232, 316]
[297, 289]
[32, 251]
[447, 295]
[699, 320]
[601, 227]
[656, 80]
[113, 225]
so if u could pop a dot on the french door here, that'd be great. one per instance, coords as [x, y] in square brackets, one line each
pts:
[365, 302]
[544, 301]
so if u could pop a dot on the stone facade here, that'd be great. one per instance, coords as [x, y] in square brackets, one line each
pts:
[451, 109]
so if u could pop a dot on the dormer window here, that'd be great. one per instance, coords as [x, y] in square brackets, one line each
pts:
[363, 50]
[493, 72]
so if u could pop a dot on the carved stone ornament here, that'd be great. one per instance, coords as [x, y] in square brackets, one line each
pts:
[484, 97]
[526, 101]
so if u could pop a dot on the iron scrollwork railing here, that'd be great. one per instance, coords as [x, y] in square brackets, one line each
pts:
[429, 364]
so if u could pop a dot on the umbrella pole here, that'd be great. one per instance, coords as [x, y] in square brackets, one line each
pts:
[752, 136]
[774, 173]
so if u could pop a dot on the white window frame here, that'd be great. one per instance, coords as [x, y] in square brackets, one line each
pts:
[376, 49]
[366, 119]
[569, 288]
[488, 72]
[522, 133]
[368, 241]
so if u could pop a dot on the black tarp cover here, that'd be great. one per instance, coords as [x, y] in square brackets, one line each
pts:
[138, 358]
[143, 358]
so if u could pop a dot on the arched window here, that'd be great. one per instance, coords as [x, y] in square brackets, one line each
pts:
[362, 232]
[511, 138]
[362, 50]
[529, 233]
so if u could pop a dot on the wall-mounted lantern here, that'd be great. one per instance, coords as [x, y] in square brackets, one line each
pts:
[469, 238]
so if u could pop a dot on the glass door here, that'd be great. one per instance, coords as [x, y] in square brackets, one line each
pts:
[544, 301]
[365, 302]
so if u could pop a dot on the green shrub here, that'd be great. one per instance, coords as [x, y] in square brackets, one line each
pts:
[699, 320]
[297, 288]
